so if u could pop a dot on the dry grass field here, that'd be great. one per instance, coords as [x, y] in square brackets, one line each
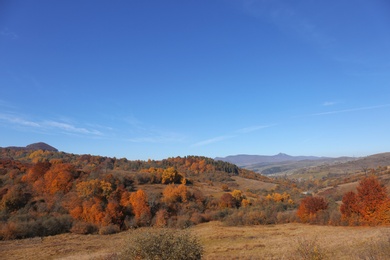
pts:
[219, 241]
[248, 184]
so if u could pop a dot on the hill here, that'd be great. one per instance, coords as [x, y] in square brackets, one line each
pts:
[281, 164]
[35, 146]
[44, 193]
[245, 159]
[355, 166]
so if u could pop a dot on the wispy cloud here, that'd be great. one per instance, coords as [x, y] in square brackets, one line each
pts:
[157, 139]
[70, 128]
[252, 129]
[6, 33]
[329, 103]
[286, 18]
[46, 126]
[6, 104]
[143, 133]
[349, 110]
[236, 133]
[213, 140]
[18, 120]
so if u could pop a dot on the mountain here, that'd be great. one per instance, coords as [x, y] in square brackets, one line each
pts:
[35, 146]
[243, 160]
[281, 164]
[350, 165]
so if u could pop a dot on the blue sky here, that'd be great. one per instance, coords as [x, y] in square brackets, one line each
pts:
[157, 79]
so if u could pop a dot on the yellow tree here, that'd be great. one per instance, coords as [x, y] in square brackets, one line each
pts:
[170, 175]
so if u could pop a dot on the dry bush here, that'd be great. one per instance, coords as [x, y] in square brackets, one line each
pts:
[25, 226]
[310, 250]
[83, 228]
[225, 187]
[108, 230]
[286, 217]
[379, 250]
[162, 244]
[197, 218]
[183, 221]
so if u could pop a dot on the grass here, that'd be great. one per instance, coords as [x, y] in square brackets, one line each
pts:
[219, 242]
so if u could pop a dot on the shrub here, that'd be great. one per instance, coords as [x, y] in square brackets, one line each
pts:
[225, 187]
[50, 225]
[24, 227]
[376, 250]
[162, 244]
[83, 228]
[310, 208]
[17, 230]
[310, 250]
[108, 230]
[183, 221]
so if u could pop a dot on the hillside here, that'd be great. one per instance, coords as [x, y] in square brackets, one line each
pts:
[355, 166]
[44, 193]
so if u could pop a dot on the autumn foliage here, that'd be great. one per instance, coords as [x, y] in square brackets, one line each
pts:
[369, 206]
[139, 203]
[46, 193]
[310, 207]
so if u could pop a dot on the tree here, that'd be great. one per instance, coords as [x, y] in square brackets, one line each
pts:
[37, 171]
[94, 188]
[15, 198]
[59, 178]
[238, 196]
[310, 207]
[161, 218]
[350, 209]
[371, 204]
[141, 210]
[227, 201]
[170, 175]
[371, 195]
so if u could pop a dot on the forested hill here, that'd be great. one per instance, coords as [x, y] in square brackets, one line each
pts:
[197, 167]
[46, 192]
[35, 146]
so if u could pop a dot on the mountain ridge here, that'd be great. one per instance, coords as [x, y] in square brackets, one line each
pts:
[246, 159]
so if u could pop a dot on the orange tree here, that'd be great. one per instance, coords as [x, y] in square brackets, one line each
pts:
[370, 205]
[310, 207]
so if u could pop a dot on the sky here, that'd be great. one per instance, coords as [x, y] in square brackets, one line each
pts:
[157, 79]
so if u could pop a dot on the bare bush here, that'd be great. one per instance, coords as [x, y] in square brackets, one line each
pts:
[162, 244]
[309, 249]
[83, 228]
[378, 250]
[108, 230]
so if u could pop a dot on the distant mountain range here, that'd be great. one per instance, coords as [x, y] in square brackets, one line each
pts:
[281, 163]
[34, 146]
[246, 160]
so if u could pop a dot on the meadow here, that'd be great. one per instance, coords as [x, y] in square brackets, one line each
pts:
[280, 241]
